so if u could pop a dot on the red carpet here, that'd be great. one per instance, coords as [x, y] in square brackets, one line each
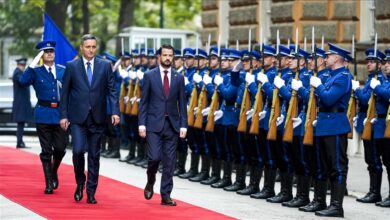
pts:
[22, 181]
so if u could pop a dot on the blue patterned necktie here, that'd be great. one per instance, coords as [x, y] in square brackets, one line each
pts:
[89, 72]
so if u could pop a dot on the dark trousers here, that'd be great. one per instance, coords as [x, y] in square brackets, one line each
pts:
[372, 155]
[212, 147]
[200, 140]
[280, 153]
[265, 149]
[52, 140]
[227, 138]
[300, 156]
[385, 152]
[191, 141]
[111, 130]
[313, 160]
[19, 133]
[334, 159]
[86, 137]
[161, 146]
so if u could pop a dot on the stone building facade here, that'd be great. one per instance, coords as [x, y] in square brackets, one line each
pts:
[336, 20]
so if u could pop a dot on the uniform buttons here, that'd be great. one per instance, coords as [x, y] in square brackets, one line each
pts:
[53, 98]
[54, 90]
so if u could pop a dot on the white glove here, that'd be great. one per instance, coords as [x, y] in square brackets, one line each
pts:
[126, 99]
[132, 75]
[388, 118]
[140, 74]
[138, 100]
[374, 83]
[123, 73]
[249, 114]
[315, 81]
[314, 123]
[196, 108]
[207, 79]
[296, 84]
[262, 115]
[355, 121]
[237, 67]
[279, 120]
[262, 78]
[364, 121]
[218, 80]
[197, 78]
[373, 121]
[278, 82]
[206, 111]
[132, 100]
[249, 78]
[36, 59]
[355, 85]
[296, 122]
[186, 81]
[217, 115]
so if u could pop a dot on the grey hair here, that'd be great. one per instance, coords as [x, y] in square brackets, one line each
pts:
[87, 37]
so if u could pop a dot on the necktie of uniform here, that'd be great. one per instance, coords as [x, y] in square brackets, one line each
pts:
[51, 73]
[89, 72]
[166, 83]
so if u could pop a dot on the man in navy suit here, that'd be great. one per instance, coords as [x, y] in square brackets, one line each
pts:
[162, 119]
[87, 81]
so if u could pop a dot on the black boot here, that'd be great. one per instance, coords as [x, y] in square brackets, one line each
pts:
[335, 209]
[385, 202]
[115, 141]
[193, 168]
[285, 193]
[215, 174]
[204, 171]
[302, 197]
[227, 176]
[319, 200]
[181, 164]
[57, 158]
[374, 194]
[103, 145]
[47, 171]
[140, 154]
[239, 184]
[268, 190]
[131, 154]
[109, 147]
[253, 187]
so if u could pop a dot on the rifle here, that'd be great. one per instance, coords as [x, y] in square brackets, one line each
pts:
[137, 95]
[202, 103]
[311, 112]
[192, 105]
[351, 113]
[122, 105]
[371, 111]
[292, 111]
[213, 107]
[130, 93]
[275, 108]
[245, 106]
[258, 106]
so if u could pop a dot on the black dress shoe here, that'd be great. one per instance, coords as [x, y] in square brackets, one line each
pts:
[168, 202]
[78, 194]
[55, 182]
[91, 199]
[148, 191]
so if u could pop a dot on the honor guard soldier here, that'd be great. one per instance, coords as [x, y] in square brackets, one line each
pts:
[47, 82]
[371, 149]
[382, 91]
[22, 111]
[152, 58]
[332, 126]
[266, 76]
[214, 152]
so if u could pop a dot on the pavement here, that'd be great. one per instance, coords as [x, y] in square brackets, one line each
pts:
[231, 204]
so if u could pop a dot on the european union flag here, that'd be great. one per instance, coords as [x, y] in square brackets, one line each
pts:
[64, 50]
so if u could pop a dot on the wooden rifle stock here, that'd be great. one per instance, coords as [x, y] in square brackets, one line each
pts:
[245, 106]
[367, 130]
[275, 113]
[192, 105]
[130, 93]
[137, 94]
[122, 106]
[213, 107]
[351, 113]
[387, 131]
[311, 115]
[202, 103]
[292, 112]
[257, 108]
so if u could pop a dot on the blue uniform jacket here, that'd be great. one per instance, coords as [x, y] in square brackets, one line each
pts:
[21, 104]
[46, 89]
[382, 105]
[334, 94]
[285, 93]
[227, 97]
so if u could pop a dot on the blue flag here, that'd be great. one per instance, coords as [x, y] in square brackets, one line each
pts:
[64, 50]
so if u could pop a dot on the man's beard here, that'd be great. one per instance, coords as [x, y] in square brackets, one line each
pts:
[163, 64]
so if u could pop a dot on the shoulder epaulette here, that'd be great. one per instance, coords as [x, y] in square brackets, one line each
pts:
[61, 66]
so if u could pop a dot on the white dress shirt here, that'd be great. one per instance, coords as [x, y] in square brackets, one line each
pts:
[91, 64]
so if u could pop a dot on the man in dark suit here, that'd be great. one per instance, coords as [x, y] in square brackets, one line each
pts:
[21, 105]
[162, 119]
[87, 81]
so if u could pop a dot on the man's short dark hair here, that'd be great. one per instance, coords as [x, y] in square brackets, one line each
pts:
[87, 37]
[165, 46]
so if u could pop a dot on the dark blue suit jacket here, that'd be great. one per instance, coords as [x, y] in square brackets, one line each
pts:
[78, 98]
[21, 105]
[154, 105]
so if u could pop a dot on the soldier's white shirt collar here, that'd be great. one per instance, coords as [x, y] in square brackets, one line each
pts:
[53, 69]
[85, 61]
